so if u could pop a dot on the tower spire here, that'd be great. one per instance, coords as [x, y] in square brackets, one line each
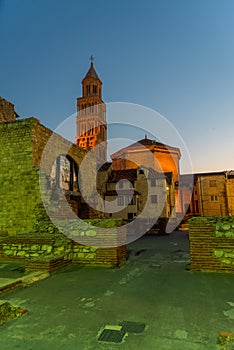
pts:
[91, 115]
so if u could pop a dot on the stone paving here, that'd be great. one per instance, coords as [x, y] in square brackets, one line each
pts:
[179, 308]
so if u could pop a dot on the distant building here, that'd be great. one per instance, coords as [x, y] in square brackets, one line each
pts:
[162, 158]
[134, 189]
[212, 194]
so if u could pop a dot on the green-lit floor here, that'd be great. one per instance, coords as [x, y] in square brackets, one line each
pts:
[181, 310]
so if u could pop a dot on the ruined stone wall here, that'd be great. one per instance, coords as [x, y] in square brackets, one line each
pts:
[19, 191]
[212, 243]
[21, 147]
[38, 248]
[7, 112]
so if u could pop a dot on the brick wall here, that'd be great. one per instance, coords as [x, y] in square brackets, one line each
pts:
[212, 243]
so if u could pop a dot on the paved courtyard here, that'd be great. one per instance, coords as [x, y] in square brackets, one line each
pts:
[171, 307]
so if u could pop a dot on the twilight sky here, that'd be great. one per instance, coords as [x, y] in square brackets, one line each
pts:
[173, 56]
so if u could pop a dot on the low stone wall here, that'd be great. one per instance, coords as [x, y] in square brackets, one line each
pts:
[212, 243]
[45, 247]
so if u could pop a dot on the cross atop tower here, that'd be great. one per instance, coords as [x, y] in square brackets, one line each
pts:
[91, 58]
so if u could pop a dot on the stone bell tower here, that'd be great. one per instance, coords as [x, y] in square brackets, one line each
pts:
[91, 116]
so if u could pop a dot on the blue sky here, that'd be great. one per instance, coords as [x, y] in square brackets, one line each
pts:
[174, 56]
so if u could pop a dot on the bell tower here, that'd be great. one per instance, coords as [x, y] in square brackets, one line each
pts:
[91, 115]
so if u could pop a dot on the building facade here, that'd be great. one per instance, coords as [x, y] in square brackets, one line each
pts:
[212, 194]
[152, 154]
[140, 191]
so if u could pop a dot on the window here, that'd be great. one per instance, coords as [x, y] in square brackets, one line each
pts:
[154, 198]
[120, 200]
[212, 183]
[153, 182]
[141, 172]
[214, 198]
[133, 201]
[94, 89]
[129, 200]
[88, 90]
[121, 184]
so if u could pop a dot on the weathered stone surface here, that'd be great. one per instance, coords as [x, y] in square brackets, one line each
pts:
[8, 252]
[21, 253]
[8, 311]
[212, 243]
[218, 253]
[35, 247]
[91, 233]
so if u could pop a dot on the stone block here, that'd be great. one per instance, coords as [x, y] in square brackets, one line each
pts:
[91, 233]
[45, 247]
[21, 253]
[60, 249]
[76, 249]
[90, 256]
[229, 255]
[34, 255]
[226, 261]
[226, 227]
[8, 252]
[93, 249]
[86, 250]
[35, 247]
[229, 234]
[218, 253]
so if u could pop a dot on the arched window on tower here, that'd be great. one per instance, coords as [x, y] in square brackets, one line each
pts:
[88, 90]
[94, 89]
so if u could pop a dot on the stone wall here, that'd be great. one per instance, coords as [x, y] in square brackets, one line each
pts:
[212, 243]
[84, 244]
[18, 178]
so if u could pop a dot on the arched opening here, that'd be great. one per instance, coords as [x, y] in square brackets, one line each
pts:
[63, 182]
[64, 174]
